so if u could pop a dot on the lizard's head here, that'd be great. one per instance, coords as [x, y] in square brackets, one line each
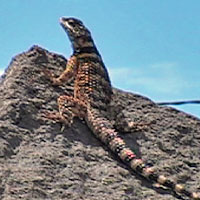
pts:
[75, 29]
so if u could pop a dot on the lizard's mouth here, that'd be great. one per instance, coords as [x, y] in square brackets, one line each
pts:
[64, 23]
[66, 26]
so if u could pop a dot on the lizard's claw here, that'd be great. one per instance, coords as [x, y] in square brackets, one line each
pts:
[55, 116]
[48, 74]
[51, 77]
[138, 126]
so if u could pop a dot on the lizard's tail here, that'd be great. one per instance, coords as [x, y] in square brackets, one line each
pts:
[103, 129]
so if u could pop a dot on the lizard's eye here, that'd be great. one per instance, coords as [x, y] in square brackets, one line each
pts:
[71, 23]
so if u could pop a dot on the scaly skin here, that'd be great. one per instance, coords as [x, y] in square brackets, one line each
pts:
[92, 94]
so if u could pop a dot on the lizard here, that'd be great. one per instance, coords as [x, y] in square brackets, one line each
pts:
[92, 95]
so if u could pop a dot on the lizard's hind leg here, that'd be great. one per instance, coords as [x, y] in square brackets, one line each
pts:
[70, 107]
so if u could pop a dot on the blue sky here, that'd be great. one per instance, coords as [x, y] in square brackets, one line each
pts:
[149, 47]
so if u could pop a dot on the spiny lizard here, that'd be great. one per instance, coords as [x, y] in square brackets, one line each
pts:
[92, 95]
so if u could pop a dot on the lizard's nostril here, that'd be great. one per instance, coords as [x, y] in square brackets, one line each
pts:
[60, 19]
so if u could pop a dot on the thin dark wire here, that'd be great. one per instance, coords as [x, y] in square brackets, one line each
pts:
[179, 102]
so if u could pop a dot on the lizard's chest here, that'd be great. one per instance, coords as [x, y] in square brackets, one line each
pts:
[92, 84]
[85, 80]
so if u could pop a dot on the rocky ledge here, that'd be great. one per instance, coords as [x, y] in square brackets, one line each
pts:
[39, 161]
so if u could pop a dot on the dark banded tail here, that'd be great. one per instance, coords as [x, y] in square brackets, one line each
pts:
[103, 130]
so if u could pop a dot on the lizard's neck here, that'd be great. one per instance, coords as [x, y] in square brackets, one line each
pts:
[84, 45]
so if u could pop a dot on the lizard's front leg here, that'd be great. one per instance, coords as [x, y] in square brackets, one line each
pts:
[61, 116]
[66, 75]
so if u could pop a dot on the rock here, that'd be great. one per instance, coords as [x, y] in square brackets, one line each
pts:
[39, 161]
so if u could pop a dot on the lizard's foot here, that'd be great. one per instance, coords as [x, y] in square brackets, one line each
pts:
[51, 77]
[137, 126]
[55, 116]
[131, 126]
[48, 74]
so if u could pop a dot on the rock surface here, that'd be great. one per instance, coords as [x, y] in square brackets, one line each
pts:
[38, 161]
